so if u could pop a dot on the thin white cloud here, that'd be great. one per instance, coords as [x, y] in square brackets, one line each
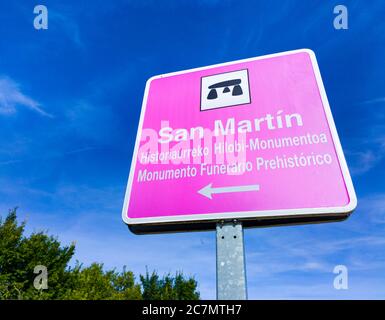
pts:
[11, 98]
[375, 100]
[48, 156]
[69, 27]
[364, 161]
[368, 151]
[374, 207]
[7, 162]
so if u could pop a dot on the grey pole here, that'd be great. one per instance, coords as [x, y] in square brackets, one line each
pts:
[231, 271]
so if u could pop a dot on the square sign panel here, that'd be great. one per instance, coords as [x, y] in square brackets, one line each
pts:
[252, 140]
[225, 89]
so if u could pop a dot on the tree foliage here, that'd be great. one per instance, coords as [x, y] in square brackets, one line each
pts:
[19, 255]
[168, 287]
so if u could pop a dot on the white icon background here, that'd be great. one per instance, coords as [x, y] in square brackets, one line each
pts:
[224, 96]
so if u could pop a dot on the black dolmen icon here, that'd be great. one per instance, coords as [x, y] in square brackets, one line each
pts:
[237, 90]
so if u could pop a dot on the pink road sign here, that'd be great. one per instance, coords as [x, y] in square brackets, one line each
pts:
[250, 139]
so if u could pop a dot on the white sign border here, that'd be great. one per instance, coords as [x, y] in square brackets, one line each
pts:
[301, 212]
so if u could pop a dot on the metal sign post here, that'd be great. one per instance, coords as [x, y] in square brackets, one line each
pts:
[231, 273]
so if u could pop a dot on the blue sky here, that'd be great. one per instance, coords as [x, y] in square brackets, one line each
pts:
[70, 100]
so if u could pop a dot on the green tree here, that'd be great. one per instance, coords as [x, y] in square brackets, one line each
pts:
[19, 255]
[168, 287]
[93, 283]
